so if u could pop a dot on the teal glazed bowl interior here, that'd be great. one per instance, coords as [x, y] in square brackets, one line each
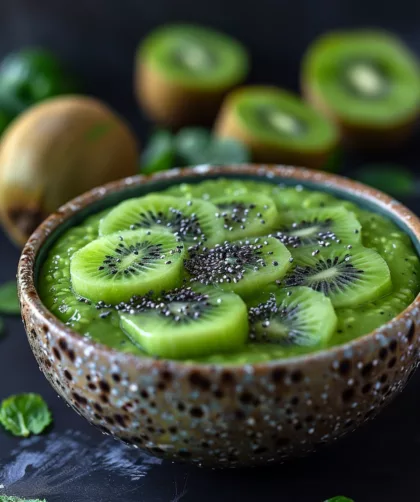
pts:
[220, 414]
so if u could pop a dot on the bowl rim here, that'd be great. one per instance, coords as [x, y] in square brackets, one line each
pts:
[26, 269]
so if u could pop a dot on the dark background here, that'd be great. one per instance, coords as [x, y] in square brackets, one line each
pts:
[97, 39]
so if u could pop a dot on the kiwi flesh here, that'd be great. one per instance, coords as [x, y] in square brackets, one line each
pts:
[349, 276]
[277, 126]
[185, 323]
[320, 227]
[246, 215]
[116, 267]
[293, 317]
[193, 221]
[242, 267]
[367, 82]
[183, 72]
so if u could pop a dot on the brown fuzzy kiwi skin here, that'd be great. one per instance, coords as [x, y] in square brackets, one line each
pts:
[55, 151]
[172, 104]
[364, 136]
[226, 126]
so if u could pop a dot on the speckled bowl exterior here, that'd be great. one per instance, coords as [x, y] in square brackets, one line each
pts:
[221, 415]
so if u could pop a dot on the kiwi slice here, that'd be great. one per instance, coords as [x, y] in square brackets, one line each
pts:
[186, 323]
[113, 268]
[241, 266]
[193, 221]
[183, 71]
[246, 215]
[277, 126]
[349, 276]
[320, 227]
[367, 81]
[296, 316]
[209, 189]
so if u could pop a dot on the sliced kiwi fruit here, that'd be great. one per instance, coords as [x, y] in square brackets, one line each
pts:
[113, 268]
[186, 323]
[297, 316]
[242, 267]
[320, 227]
[246, 215]
[193, 221]
[349, 276]
[183, 72]
[277, 126]
[367, 81]
[209, 189]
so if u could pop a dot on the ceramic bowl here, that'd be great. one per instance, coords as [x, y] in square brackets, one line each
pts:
[221, 415]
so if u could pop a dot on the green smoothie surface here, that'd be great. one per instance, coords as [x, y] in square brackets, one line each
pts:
[102, 322]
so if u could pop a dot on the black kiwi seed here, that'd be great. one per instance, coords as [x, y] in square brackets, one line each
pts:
[236, 213]
[345, 273]
[184, 227]
[225, 263]
[180, 305]
[145, 251]
[268, 311]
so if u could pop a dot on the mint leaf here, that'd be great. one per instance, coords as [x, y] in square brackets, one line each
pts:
[225, 151]
[393, 179]
[159, 154]
[23, 414]
[339, 498]
[5, 498]
[195, 145]
[192, 144]
[9, 302]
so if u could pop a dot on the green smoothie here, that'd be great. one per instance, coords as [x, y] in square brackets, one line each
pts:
[230, 271]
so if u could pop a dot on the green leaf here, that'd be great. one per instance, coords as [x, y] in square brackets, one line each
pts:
[339, 498]
[192, 145]
[5, 498]
[23, 414]
[195, 145]
[9, 302]
[390, 178]
[225, 151]
[159, 154]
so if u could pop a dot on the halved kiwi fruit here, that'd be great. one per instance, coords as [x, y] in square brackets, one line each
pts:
[185, 323]
[246, 215]
[242, 266]
[297, 316]
[277, 126]
[349, 276]
[116, 267]
[319, 227]
[193, 221]
[367, 81]
[183, 72]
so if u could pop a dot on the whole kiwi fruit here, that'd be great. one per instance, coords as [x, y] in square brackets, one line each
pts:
[55, 151]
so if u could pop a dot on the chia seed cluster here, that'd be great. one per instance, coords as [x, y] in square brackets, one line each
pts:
[236, 214]
[185, 227]
[321, 235]
[179, 305]
[227, 262]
